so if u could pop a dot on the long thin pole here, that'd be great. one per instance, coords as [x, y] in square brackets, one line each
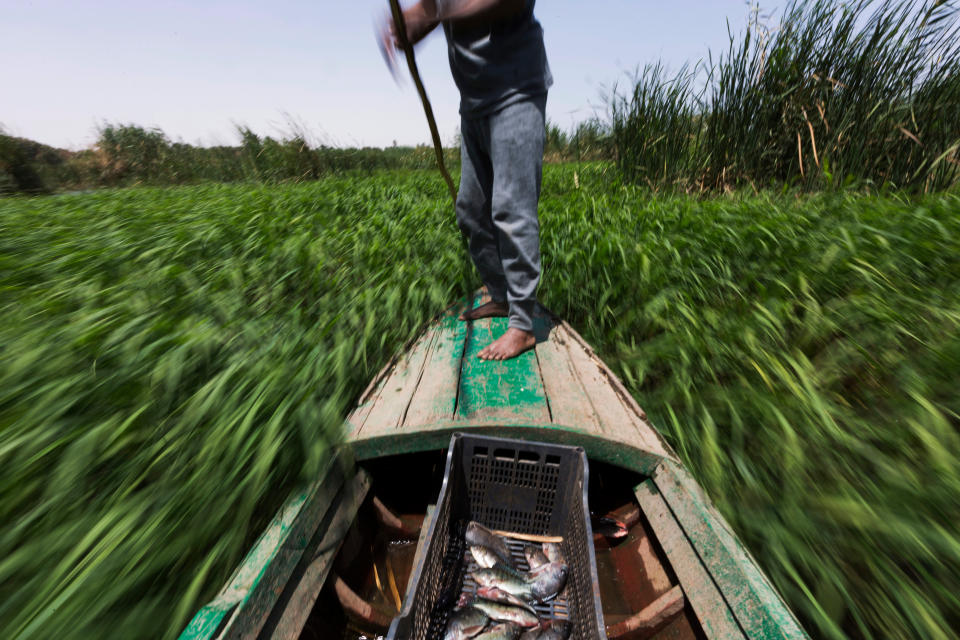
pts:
[427, 109]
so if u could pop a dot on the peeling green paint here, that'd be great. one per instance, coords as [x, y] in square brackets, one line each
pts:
[758, 607]
[275, 552]
[508, 389]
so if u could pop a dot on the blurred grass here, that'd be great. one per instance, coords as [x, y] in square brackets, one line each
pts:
[173, 360]
[802, 355]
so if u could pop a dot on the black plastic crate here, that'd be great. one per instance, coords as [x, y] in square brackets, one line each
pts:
[508, 485]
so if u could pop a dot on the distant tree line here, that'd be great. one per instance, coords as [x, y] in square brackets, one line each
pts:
[128, 154]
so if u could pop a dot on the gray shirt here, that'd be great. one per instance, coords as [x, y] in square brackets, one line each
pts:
[497, 64]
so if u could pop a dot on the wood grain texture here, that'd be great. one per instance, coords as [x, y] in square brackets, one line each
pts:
[568, 400]
[267, 586]
[755, 603]
[715, 617]
[654, 442]
[617, 417]
[439, 384]
[242, 606]
[435, 397]
[289, 617]
[393, 398]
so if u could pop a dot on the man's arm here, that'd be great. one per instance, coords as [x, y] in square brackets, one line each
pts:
[471, 10]
[425, 15]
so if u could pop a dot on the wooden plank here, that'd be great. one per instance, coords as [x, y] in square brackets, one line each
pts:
[437, 436]
[716, 619]
[656, 615]
[264, 591]
[253, 589]
[391, 403]
[616, 417]
[435, 398]
[647, 430]
[758, 607]
[652, 567]
[289, 617]
[494, 390]
[208, 620]
[367, 399]
[418, 555]
[568, 400]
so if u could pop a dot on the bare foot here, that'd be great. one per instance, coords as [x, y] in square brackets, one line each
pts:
[491, 309]
[509, 345]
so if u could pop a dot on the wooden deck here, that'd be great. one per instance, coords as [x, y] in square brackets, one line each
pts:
[439, 386]
[558, 392]
[562, 392]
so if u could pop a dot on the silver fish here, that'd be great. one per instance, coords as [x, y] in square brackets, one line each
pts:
[547, 581]
[535, 557]
[464, 623]
[553, 630]
[479, 535]
[484, 556]
[552, 551]
[505, 631]
[499, 595]
[504, 579]
[501, 612]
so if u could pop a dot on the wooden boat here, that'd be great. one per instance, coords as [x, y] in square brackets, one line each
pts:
[335, 561]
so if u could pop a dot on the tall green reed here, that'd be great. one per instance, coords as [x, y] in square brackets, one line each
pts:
[833, 93]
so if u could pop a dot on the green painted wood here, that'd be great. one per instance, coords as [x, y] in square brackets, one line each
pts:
[715, 617]
[758, 607]
[499, 390]
[253, 589]
[435, 398]
[393, 399]
[208, 620]
[437, 436]
[289, 615]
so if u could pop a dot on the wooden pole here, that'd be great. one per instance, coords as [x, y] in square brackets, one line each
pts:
[428, 110]
[528, 537]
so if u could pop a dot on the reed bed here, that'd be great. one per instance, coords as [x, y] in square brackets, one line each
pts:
[175, 360]
[823, 94]
[172, 363]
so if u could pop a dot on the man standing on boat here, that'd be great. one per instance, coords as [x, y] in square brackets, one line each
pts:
[500, 66]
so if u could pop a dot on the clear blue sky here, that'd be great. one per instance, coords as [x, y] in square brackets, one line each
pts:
[196, 68]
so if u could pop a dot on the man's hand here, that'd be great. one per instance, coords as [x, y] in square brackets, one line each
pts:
[423, 17]
[420, 19]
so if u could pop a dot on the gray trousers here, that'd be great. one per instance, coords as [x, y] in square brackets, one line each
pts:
[501, 166]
